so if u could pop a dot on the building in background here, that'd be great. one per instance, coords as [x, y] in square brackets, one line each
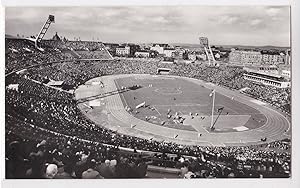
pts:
[56, 37]
[272, 58]
[179, 52]
[142, 54]
[251, 58]
[285, 71]
[168, 52]
[111, 47]
[235, 56]
[287, 59]
[133, 48]
[159, 48]
[123, 51]
[217, 56]
[255, 58]
[192, 56]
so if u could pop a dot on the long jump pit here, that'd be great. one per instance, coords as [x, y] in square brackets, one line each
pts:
[178, 109]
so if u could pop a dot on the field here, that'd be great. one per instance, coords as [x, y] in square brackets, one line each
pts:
[184, 97]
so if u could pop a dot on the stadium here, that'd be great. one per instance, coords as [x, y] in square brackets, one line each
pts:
[73, 105]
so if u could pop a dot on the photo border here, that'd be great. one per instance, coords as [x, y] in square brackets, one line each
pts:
[274, 182]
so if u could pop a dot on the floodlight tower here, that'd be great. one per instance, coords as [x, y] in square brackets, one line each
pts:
[44, 30]
[205, 45]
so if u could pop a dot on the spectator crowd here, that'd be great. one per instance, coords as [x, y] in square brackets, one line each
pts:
[48, 137]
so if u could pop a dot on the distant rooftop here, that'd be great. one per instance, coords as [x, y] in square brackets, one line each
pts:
[56, 37]
[169, 49]
[161, 45]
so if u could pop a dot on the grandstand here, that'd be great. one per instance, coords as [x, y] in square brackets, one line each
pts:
[267, 79]
[80, 49]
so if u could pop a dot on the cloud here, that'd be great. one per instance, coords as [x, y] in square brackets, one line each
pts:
[227, 19]
[256, 22]
[156, 23]
[273, 11]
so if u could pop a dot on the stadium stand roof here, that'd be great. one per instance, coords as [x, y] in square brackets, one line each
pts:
[10, 36]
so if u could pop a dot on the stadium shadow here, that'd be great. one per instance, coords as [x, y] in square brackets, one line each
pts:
[107, 94]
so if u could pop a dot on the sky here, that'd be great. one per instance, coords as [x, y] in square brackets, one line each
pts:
[223, 25]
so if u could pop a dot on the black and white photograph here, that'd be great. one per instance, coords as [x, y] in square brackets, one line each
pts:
[148, 92]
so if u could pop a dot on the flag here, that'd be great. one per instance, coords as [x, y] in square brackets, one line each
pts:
[212, 92]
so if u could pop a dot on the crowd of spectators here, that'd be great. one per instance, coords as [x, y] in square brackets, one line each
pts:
[53, 111]
[226, 76]
[59, 157]
[99, 54]
[278, 97]
[85, 45]
[74, 45]
[21, 53]
[84, 49]
[71, 146]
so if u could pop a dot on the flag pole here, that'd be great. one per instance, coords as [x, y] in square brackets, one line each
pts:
[212, 111]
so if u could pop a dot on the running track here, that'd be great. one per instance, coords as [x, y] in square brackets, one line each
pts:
[119, 119]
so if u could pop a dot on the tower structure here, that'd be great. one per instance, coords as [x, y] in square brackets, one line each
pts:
[205, 45]
[44, 30]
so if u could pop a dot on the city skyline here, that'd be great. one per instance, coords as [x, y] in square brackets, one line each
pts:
[223, 25]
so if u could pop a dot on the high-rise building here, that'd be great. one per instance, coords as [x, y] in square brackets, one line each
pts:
[254, 58]
[245, 57]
